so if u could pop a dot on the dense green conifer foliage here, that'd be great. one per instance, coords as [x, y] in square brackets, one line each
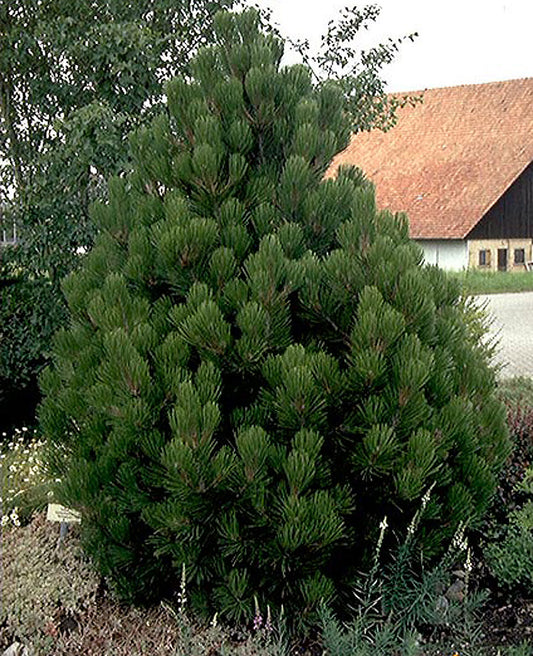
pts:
[258, 368]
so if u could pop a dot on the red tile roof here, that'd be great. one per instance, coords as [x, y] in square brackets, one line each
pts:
[449, 158]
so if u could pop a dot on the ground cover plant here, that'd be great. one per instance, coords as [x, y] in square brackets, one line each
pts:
[258, 369]
[42, 585]
[508, 544]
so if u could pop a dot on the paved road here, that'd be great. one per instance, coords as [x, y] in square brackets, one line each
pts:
[513, 324]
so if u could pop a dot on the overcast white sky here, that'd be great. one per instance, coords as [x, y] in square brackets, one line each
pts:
[459, 42]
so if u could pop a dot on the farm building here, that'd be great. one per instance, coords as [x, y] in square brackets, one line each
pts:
[460, 164]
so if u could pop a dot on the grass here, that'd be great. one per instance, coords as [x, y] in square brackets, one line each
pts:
[493, 282]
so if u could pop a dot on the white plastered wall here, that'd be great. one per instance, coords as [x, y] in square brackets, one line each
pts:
[448, 254]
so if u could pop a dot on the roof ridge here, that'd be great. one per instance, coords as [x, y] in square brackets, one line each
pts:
[459, 86]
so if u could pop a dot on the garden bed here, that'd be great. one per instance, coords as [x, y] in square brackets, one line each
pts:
[58, 606]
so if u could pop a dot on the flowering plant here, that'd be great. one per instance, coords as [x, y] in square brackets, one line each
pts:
[24, 484]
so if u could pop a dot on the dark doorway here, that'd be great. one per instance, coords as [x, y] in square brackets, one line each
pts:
[502, 259]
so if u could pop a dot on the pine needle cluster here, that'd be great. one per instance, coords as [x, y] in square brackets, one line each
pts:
[258, 368]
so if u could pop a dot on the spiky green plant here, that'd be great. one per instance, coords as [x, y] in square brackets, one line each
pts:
[258, 367]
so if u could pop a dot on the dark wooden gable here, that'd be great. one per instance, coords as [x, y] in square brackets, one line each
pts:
[512, 214]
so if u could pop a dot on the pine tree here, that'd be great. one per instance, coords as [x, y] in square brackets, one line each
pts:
[258, 368]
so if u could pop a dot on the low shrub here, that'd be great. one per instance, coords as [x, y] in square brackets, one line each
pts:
[517, 391]
[520, 422]
[517, 394]
[30, 313]
[507, 536]
[509, 550]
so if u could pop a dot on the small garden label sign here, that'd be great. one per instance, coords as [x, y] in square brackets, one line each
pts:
[58, 513]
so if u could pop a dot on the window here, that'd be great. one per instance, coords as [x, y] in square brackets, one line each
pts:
[519, 256]
[8, 230]
[8, 235]
[484, 258]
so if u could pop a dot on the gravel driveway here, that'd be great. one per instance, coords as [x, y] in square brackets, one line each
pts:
[513, 324]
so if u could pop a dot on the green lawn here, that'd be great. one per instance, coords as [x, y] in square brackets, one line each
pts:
[494, 282]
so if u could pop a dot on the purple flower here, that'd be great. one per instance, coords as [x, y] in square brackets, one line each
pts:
[258, 621]
[258, 618]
